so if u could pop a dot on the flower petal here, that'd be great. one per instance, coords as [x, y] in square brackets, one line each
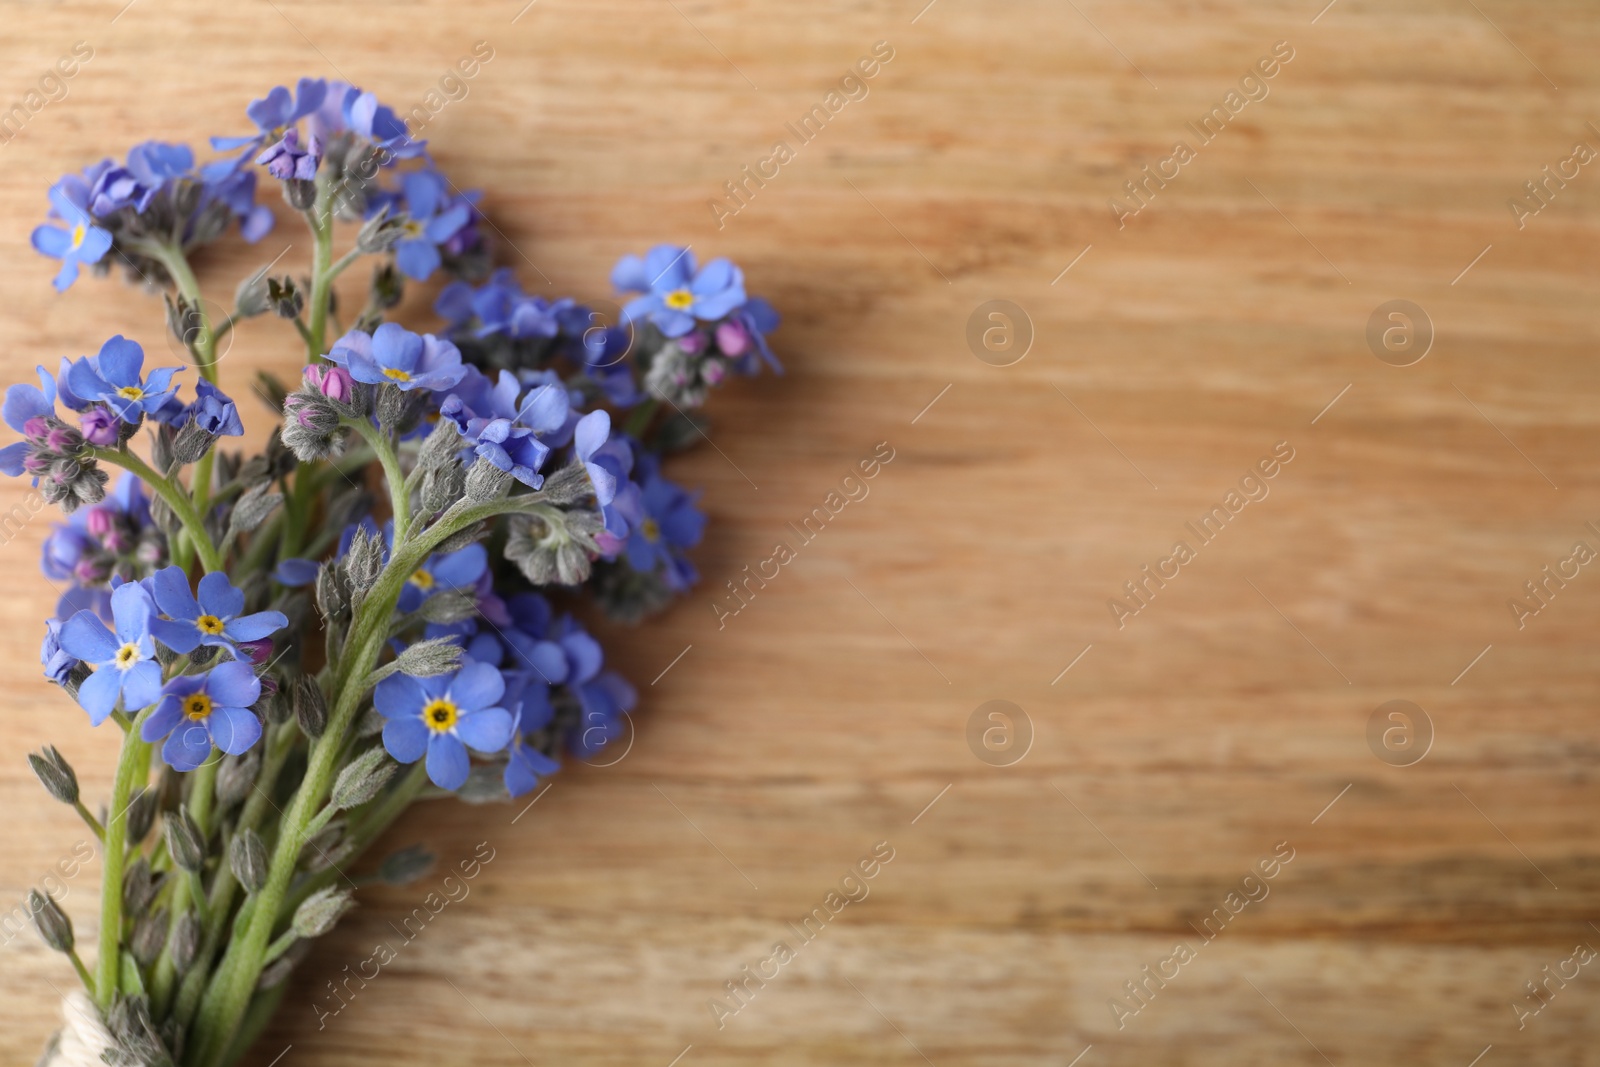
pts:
[234, 729]
[172, 595]
[87, 638]
[141, 685]
[187, 748]
[399, 696]
[477, 685]
[488, 730]
[219, 597]
[162, 721]
[255, 627]
[98, 694]
[448, 765]
[405, 739]
[234, 684]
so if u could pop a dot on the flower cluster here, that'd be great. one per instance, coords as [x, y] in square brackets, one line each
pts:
[382, 603]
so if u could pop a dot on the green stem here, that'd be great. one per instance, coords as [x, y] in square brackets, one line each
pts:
[175, 498]
[94, 823]
[228, 994]
[399, 499]
[177, 264]
[83, 972]
[320, 218]
[202, 791]
[108, 965]
[279, 743]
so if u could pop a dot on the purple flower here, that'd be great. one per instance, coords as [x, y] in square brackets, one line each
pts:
[81, 241]
[124, 660]
[675, 293]
[213, 412]
[442, 716]
[214, 618]
[396, 356]
[99, 426]
[198, 711]
[114, 377]
[431, 220]
[287, 159]
[274, 115]
[28, 409]
[670, 524]
[503, 431]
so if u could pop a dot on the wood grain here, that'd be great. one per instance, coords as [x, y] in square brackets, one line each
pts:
[1178, 751]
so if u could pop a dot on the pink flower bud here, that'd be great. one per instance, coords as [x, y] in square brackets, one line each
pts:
[692, 343]
[334, 383]
[733, 338]
[712, 371]
[100, 521]
[258, 651]
[36, 428]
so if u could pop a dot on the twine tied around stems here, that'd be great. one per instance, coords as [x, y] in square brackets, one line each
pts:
[84, 1038]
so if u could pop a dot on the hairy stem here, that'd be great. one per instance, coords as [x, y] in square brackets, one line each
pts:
[108, 965]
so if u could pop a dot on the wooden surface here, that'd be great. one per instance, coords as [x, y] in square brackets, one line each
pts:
[832, 711]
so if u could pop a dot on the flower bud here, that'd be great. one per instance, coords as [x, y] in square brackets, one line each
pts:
[149, 937]
[247, 858]
[442, 487]
[362, 779]
[253, 508]
[335, 383]
[397, 409]
[429, 657]
[380, 232]
[51, 921]
[251, 299]
[486, 482]
[285, 298]
[191, 443]
[184, 842]
[310, 708]
[141, 814]
[321, 910]
[56, 774]
[388, 287]
[139, 887]
[332, 599]
[237, 776]
[448, 607]
[405, 866]
[185, 942]
[100, 426]
[300, 193]
[733, 338]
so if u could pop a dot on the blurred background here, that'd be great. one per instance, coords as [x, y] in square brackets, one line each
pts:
[1339, 344]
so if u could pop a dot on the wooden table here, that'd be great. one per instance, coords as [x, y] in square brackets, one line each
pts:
[1170, 755]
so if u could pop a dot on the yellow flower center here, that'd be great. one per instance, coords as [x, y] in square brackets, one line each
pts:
[396, 375]
[679, 299]
[131, 392]
[411, 228]
[79, 232]
[651, 530]
[440, 715]
[422, 580]
[197, 706]
[209, 624]
[127, 656]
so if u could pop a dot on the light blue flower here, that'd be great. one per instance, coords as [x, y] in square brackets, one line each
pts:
[198, 711]
[675, 293]
[81, 241]
[124, 661]
[441, 716]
